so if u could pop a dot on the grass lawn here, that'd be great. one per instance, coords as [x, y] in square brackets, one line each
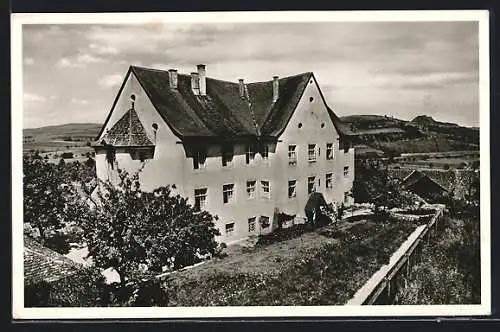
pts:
[321, 267]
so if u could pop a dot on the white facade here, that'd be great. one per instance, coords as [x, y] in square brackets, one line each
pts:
[310, 124]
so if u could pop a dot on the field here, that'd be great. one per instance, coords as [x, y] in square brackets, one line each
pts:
[53, 141]
[323, 267]
[440, 160]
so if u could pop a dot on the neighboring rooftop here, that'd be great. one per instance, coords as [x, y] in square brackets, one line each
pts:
[44, 264]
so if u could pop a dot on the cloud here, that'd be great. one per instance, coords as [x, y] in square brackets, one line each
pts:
[110, 81]
[29, 61]
[33, 98]
[427, 81]
[78, 61]
[79, 101]
[103, 49]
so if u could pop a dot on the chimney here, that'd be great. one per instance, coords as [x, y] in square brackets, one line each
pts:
[241, 86]
[172, 78]
[202, 79]
[195, 83]
[276, 88]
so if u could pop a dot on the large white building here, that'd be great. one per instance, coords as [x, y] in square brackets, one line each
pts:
[243, 151]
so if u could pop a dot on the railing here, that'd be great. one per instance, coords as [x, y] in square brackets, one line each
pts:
[384, 284]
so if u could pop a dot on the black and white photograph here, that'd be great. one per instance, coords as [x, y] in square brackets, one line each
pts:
[277, 164]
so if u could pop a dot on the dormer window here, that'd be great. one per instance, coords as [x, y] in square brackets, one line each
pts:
[199, 159]
[227, 155]
[265, 152]
[249, 154]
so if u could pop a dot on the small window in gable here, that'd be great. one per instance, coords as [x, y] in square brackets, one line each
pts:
[300, 125]
[311, 99]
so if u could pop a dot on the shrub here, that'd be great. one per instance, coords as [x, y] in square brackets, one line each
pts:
[67, 155]
[86, 288]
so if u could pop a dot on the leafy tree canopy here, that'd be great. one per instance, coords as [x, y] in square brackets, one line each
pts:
[373, 184]
[50, 202]
[134, 230]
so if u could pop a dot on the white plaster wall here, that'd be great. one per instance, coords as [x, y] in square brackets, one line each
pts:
[165, 167]
[170, 165]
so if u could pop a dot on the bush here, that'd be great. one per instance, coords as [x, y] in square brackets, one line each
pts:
[86, 288]
[450, 274]
[283, 234]
[67, 155]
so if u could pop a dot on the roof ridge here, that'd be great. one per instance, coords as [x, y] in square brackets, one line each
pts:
[219, 79]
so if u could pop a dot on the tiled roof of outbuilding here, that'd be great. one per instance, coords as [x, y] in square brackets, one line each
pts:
[44, 264]
[222, 112]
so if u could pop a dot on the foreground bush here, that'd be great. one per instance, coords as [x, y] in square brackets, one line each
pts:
[83, 289]
[449, 272]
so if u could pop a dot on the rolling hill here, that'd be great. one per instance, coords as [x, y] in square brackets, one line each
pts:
[60, 137]
[422, 134]
[372, 134]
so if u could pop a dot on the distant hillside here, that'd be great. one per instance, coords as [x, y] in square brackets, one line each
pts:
[422, 134]
[55, 138]
[61, 132]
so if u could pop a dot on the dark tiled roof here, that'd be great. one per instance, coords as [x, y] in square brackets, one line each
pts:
[222, 112]
[128, 131]
[44, 264]
[416, 176]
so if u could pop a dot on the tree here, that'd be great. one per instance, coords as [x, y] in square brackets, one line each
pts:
[49, 204]
[373, 184]
[134, 230]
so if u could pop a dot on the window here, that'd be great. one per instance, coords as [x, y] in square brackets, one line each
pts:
[329, 180]
[346, 197]
[265, 152]
[311, 99]
[227, 193]
[346, 171]
[311, 153]
[251, 224]
[329, 151]
[265, 189]
[200, 198]
[292, 154]
[311, 184]
[199, 159]
[230, 229]
[264, 222]
[249, 154]
[227, 155]
[292, 188]
[250, 189]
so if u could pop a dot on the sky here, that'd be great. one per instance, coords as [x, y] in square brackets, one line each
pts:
[72, 73]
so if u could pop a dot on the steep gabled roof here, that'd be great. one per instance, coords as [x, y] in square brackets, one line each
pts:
[128, 131]
[416, 176]
[222, 113]
[44, 264]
